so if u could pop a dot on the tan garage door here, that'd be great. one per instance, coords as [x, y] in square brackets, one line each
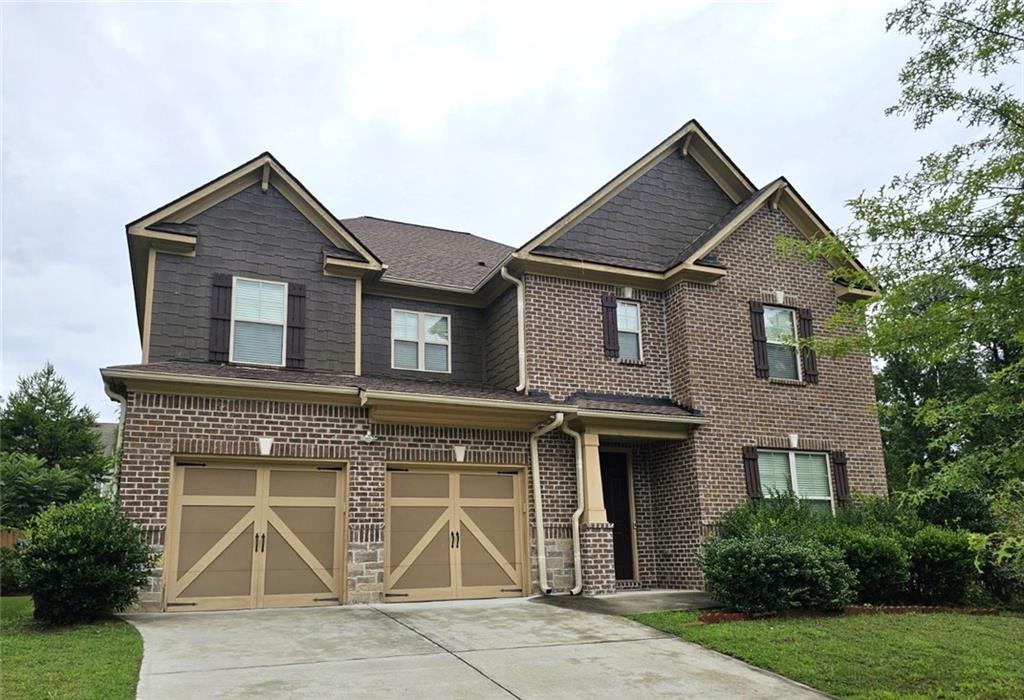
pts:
[253, 537]
[453, 534]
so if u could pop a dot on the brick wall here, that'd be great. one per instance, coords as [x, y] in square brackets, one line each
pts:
[159, 426]
[565, 344]
[712, 369]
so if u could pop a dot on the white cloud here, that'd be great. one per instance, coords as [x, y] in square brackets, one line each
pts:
[483, 117]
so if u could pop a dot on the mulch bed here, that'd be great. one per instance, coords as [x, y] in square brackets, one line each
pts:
[716, 616]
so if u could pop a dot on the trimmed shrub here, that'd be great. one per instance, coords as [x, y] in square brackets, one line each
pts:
[879, 561]
[12, 577]
[761, 573]
[784, 515]
[85, 560]
[941, 566]
[959, 509]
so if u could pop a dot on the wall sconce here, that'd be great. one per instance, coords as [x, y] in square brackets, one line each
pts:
[460, 453]
[794, 440]
[266, 443]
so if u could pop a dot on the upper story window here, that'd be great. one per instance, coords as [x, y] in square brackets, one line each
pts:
[780, 333]
[627, 316]
[420, 341]
[804, 474]
[258, 321]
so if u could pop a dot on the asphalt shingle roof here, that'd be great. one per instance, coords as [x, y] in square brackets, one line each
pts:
[426, 254]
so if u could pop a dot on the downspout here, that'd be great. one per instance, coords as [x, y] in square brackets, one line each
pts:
[520, 326]
[577, 560]
[538, 509]
[122, 415]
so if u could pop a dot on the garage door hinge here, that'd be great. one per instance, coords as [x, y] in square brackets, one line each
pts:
[330, 469]
[320, 600]
[396, 595]
[511, 590]
[397, 469]
[513, 473]
[178, 605]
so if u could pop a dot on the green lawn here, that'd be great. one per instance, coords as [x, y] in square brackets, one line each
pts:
[97, 660]
[874, 656]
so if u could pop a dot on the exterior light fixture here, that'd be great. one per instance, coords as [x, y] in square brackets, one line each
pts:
[266, 443]
[460, 453]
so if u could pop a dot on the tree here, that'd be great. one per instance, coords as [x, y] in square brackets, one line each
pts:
[28, 486]
[946, 244]
[40, 418]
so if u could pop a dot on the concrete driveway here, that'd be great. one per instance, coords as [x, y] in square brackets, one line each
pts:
[476, 649]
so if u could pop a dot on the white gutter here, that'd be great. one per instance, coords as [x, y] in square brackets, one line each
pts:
[538, 508]
[520, 325]
[122, 415]
[577, 560]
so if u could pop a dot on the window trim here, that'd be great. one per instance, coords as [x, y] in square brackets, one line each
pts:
[421, 341]
[639, 331]
[283, 324]
[791, 456]
[795, 344]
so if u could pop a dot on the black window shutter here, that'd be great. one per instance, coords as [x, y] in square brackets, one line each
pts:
[610, 324]
[220, 318]
[842, 479]
[295, 356]
[808, 360]
[760, 340]
[750, 473]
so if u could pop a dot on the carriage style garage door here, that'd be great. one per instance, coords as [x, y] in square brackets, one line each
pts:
[251, 536]
[453, 534]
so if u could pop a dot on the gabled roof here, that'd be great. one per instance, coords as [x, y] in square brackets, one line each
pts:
[428, 255]
[166, 229]
[691, 140]
[679, 244]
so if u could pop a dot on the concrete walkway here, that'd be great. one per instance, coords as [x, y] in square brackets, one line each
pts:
[475, 649]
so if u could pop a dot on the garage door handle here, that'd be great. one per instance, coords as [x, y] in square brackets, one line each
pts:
[257, 543]
[453, 540]
[458, 537]
[263, 542]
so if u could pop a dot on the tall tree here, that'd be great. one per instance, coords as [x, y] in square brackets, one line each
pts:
[40, 418]
[946, 243]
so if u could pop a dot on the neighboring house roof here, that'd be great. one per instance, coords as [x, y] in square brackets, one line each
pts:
[108, 437]
[429, 255]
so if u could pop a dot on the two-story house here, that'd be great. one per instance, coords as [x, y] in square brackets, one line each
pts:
[348, 410]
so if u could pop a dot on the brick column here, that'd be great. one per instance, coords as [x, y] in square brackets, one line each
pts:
[598, 558]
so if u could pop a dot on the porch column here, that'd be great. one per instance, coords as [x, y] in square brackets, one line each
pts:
[593, 495]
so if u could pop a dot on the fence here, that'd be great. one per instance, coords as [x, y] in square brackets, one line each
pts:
[8, 538]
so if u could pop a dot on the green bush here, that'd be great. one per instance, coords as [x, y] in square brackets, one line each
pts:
[767, 572]
[958, 509]
[84, 560]
[784, 515]
[28, 486]
[941, 566]
[879, 561]
[1002, 570]
[12, 577]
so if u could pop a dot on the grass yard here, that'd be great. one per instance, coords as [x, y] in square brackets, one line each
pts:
[96, 660]
[873, 656]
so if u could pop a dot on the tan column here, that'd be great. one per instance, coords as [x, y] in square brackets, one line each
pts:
[593, 496]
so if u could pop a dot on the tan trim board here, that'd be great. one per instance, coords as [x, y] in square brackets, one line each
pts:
[358, 345]
[137, 378]
[611, 274]
[147, 317]
[772, 190]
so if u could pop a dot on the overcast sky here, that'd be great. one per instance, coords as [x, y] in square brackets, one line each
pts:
[467, 118]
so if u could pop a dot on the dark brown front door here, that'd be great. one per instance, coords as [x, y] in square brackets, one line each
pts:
[615, 484]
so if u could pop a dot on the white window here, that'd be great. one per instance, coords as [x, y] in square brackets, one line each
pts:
[420, 341]
[805, 474]
[627, 315]
[780, 330]
[258, 321]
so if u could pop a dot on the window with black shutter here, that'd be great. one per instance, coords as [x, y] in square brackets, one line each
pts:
[296, 333]
[759, 340]
[220, 318]
[808, 360]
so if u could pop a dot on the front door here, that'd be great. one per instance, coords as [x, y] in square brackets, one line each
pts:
[452, 534]
[615, 483]
[253, 536]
